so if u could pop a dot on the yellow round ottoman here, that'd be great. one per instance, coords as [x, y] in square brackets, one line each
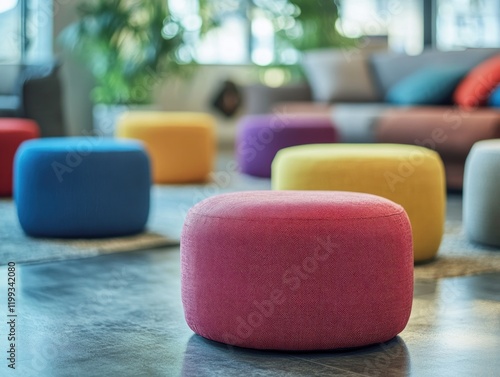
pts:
[181, 145]
[409, 175]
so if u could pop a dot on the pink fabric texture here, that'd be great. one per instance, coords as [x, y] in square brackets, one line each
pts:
[297, 270]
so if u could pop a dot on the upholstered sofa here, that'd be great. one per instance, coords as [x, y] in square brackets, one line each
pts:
[33, 92]
[353, 90]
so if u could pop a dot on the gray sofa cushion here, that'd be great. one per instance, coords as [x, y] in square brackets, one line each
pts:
[338, 75]
[389, 68]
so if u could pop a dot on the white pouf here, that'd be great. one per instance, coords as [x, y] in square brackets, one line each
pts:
[481, 193]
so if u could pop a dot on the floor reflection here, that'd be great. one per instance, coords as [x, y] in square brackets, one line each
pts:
[203, 357]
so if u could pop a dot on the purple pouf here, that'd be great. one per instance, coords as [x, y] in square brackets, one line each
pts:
[260, 137]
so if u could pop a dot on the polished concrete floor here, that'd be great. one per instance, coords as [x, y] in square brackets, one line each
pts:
[121, 315]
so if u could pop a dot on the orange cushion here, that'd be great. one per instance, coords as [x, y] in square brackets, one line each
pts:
[477, 86]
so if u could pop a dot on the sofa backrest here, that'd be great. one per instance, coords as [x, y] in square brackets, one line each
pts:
[389, 68]
[339, 75]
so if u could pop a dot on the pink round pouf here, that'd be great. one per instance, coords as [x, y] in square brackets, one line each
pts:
[297, 270]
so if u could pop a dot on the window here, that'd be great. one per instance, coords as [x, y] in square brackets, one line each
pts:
[459, 23]
[468, 23]
[39, 16]
[10, 29]
[245, 31]
[26, 30]
[229, 43]
[365, 17]
[400, 20]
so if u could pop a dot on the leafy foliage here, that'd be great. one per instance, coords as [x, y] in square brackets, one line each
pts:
[303, 25]
[314, 23]
[127, 45]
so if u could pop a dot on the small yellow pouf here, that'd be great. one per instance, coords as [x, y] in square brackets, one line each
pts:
[181, 145]
[409, 175]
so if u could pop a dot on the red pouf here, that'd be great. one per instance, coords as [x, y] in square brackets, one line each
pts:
[297, 270]
[13, 132]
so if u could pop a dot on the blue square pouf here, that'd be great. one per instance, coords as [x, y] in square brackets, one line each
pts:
[82, 187]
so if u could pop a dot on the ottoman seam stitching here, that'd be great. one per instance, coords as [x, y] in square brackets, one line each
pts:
[307, 219]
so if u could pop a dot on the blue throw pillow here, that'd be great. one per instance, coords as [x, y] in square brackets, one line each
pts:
[494, 99]
[428, 86]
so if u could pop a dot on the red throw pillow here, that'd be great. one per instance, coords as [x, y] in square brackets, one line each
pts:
[477, 86]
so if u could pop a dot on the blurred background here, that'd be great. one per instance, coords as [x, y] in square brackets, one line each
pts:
[207, 55]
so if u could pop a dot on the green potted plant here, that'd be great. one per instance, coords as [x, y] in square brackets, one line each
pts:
[128, 46]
